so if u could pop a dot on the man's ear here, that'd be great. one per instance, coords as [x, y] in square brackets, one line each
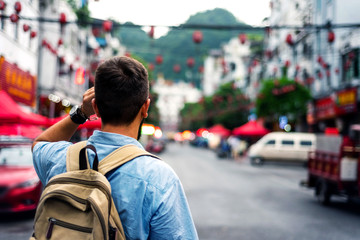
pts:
[145, 108]
[95, 107]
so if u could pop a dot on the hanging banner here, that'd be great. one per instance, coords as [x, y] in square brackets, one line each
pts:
[80, 76]
[20, 85]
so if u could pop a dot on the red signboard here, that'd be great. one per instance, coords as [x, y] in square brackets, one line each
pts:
[342, 102]
[20, 85]
[346, 101]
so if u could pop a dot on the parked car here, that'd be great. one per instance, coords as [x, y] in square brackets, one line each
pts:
[20, 187]
[282, 146]
[155, 146]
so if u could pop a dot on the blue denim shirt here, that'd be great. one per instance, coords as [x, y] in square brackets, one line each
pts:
[147, 193]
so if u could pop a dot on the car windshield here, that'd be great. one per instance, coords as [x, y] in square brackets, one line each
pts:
[16, 156]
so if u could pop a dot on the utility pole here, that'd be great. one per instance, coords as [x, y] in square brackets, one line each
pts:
[42, 7]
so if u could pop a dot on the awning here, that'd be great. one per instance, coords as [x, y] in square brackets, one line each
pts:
[90, 124]
[220, 130]
[12, 113]
[251, 128]
[29, 131]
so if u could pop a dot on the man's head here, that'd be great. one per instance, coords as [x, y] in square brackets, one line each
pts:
[121, 89]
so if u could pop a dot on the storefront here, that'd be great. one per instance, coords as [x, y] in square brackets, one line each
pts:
[339, 110]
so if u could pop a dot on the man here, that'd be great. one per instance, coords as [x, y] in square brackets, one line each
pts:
[147, 193]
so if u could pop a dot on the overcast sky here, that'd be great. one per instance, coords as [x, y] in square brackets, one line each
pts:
[173, 13]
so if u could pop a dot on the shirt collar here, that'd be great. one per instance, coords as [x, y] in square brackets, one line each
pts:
[115, 139]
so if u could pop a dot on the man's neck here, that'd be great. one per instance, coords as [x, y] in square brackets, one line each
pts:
[127, 130]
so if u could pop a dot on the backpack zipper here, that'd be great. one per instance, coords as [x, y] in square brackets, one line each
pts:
[102, 186]
[82, 201]
[100, 216]
[54, 221]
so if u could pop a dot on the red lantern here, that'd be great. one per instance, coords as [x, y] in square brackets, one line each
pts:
[289, 40]
[337, 70]
[201, 69]
[159, 59]
[107, 26]
[60, 42]
[190, 62]
[177, 68]
[151, 32]
[197, 37]
[62, 60]
[287, 63]
[268, 53]
[96, 51]
[2, 5]
[151, 67]
[17, 7]
[62, 18]
[14, 18]
[320, 60]
[33, 34]
[331, 36]
[44, 43]
[95, 32]
[26, 27]
[242, 38]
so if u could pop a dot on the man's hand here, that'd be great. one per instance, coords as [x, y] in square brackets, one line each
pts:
[86, 106]
[64, 129]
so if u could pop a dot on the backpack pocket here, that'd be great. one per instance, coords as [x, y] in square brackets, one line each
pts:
[56, 223]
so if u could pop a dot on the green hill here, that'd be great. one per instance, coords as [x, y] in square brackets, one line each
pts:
[177, 46]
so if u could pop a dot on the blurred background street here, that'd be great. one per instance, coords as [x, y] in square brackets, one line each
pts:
[233, 200]
[255, 104]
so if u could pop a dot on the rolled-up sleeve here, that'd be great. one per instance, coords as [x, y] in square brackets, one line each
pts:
[49, 159]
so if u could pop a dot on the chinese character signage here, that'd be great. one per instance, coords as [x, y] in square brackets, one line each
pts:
[342, 102]
[20, 85]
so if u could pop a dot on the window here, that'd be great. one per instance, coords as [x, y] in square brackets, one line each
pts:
[287, 142]
[305, 143]
[270, 142]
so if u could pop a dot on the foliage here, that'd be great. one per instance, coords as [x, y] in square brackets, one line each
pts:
[227, 106]
[282, 97]
[82, 13]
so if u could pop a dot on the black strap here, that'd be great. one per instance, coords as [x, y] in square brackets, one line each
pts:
[83, 159]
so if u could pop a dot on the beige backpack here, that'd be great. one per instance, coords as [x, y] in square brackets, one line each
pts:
[77, 204]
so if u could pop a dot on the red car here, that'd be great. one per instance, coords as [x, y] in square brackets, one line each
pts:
[20, 187]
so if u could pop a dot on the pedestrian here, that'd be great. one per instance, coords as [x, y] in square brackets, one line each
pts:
[147, 193]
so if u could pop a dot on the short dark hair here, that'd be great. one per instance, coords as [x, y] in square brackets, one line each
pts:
[121, 88]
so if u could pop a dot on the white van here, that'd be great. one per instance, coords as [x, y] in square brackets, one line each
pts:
[282, 146]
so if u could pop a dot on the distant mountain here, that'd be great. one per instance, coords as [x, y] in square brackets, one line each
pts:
[177, 46]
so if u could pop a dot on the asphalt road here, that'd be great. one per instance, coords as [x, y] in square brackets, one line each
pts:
[232, 200]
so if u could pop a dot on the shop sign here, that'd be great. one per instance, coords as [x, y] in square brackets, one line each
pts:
[325, 108]
[20, 85]
[346, 101]
[342, 102]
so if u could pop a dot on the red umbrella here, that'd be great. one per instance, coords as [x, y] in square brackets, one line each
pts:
[252, 128]
[220, 130]
[12, 113]
[90, 124]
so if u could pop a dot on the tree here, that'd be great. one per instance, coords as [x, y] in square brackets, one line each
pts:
[282, 97]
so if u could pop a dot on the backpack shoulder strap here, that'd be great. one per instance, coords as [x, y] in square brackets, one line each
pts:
[72, 156]
[121, 156]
